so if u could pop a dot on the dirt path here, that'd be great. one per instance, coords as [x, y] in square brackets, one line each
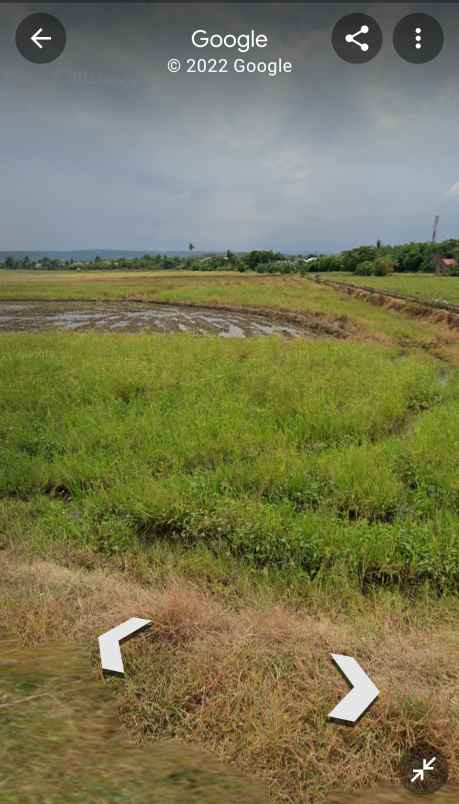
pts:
[60, 723]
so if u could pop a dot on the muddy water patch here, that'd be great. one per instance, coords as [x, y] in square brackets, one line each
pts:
[137, 316]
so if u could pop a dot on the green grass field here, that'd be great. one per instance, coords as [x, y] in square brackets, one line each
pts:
[426, 287]
[325, 457]
[265, 502]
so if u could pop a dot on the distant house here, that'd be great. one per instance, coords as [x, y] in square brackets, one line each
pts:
[444, 265]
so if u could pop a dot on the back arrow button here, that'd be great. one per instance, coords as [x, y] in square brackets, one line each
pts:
[40, 38]
[37, 39]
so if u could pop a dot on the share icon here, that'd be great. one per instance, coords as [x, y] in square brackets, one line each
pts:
[357, 38]
[352, 38]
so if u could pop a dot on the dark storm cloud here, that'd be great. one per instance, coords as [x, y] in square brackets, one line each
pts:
[105, 149]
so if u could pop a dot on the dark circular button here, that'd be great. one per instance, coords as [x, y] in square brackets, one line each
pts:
[40, 38]
[418, 38]
[357, 38]
[423, 769]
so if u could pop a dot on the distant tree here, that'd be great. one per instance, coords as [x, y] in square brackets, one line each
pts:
[327, 262]
[353, 258]
[258, 257]
[364, 268]
[409, 258]
[168, 263]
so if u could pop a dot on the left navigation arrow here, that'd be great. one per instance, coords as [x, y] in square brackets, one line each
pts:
[109, 644]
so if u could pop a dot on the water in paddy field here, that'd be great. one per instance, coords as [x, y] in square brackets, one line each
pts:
[136, 316]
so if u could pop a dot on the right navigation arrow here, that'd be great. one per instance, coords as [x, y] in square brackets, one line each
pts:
[363, 694]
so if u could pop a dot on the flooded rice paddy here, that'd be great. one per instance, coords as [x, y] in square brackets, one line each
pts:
[137, 316]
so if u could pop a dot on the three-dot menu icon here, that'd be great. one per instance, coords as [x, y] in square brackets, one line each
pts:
[418, 38]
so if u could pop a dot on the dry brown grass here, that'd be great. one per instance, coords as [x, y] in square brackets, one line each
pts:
[253, 682]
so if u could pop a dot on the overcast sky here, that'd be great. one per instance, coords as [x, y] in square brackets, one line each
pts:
[104, 148]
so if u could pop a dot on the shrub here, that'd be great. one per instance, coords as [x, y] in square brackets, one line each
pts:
[364, 268]
[383, 266]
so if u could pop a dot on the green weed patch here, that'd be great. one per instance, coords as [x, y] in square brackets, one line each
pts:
[333, 459]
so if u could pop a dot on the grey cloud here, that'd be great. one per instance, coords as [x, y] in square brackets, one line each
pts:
[105, 149]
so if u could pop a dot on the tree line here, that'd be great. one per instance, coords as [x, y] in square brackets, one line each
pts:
[380, 260]
[377, 260]
[263, 261]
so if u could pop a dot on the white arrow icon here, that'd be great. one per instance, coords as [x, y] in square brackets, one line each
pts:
[37, 39]
[363, 694]
[109, 644]
[426, 766]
